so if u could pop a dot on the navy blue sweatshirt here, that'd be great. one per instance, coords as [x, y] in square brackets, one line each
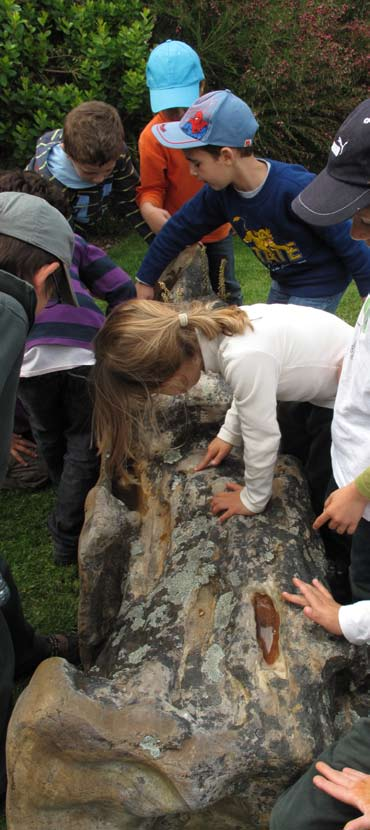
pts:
[305, 260]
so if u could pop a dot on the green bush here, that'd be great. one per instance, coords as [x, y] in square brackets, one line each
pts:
[300, 64]
[56, 53]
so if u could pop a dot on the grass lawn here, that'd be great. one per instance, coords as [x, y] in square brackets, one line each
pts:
[50, 593]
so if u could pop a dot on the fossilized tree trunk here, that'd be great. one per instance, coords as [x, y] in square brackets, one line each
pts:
[203, 694]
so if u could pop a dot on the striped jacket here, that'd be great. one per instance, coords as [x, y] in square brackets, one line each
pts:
[92, 272]
[88, 204]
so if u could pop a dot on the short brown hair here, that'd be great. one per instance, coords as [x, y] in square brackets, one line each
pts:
[93, 133]
[22, 259]
[215, 151]
[26, 181]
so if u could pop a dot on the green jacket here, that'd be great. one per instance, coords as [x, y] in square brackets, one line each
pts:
[17, 312]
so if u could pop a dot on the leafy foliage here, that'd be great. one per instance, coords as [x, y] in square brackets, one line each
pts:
[300, 64]
[54, 54]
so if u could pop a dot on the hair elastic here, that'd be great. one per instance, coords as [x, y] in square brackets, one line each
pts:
[183, 319]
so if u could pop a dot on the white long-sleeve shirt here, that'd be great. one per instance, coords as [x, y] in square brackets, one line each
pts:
[292, 354]
[350, 432]
[354, 621]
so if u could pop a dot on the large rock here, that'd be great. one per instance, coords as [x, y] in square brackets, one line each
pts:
[203, 693]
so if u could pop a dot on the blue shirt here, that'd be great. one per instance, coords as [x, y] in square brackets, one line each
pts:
[306, 260]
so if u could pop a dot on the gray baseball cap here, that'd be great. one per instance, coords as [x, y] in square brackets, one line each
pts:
[31, 219]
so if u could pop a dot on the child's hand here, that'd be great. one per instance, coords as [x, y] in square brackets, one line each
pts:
[231, 503]
[216, 452]
[317, 603]
[154, 216]
[144, 292]
[20, 446]
[351, 787]
[343, 509]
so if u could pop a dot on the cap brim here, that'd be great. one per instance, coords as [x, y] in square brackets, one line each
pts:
[165, 99]
[327, 201]
[66, 293]
[170, 135]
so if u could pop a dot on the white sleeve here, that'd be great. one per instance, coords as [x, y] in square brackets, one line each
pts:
[231, 431]
[254, 380]
[354, 621]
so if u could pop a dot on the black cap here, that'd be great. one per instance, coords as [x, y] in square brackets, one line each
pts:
[343, 187]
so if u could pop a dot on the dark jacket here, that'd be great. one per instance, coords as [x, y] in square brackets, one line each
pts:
[17, 312]
[88, 204]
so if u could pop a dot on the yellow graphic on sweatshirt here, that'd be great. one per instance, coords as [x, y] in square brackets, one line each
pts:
[267, 250]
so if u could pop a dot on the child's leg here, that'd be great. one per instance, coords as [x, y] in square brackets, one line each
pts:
[221, 266]
[42, 398]
[360, 561]
[277, 294]
[304, 806]
[306, 433]
[80, 469]
[283, 295]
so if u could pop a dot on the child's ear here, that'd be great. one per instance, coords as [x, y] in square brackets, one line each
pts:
[227, 155]
[202, 87]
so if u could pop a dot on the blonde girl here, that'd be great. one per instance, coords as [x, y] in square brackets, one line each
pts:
[264, 352]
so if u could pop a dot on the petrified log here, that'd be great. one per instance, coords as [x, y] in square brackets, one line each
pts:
[203, 693]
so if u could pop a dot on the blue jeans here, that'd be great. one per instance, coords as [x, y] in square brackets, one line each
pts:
[217, 253]
[60, 410]
[279, 295]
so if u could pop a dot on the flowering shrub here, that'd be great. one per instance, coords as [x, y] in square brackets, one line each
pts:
[300, 64]
[54, 54]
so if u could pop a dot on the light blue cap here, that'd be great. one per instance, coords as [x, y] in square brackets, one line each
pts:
[218, 118]
[173, 75]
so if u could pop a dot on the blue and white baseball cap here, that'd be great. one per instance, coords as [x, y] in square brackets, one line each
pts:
[218, 118]
[173, 75]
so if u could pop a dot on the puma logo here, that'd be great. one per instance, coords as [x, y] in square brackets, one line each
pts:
[337, 146]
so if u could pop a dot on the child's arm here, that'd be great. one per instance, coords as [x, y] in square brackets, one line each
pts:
[344, 507]
[125, 182]
[355, 255]
[151, 194]
[251, 420]
[199, 216]
[101, 275]
[154, 216]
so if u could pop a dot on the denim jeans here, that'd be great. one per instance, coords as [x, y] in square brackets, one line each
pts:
[60, 409]
[279, 295]
[216, 253]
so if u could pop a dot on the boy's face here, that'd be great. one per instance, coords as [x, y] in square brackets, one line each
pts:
[174, 113]
[94, 173]
[218, 172]
[361, 225]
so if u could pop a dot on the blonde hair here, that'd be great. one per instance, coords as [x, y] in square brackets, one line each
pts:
[141, 346]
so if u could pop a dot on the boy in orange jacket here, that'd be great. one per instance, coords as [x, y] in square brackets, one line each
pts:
[175, 79]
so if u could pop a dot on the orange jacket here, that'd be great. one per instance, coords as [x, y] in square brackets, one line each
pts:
[165, 177]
